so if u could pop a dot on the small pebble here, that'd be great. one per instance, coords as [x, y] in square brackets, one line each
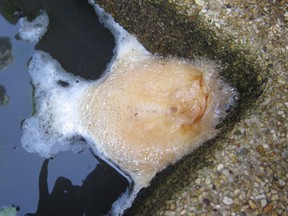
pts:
[268, 208]
[198, 181]
[200, 2]
[282, 182]
[220, 167]
[206, 201]
[252, 204]
[183, 212]
[260, 196]
[260, 149]
[226, 172]
[263, 202]
[227, 201]
[255, 192]
[172, 207]
[275, 197]
[236, 192]
[281, 81]
[208, 181]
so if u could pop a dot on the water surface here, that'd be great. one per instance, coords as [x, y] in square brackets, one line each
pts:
[70, 184]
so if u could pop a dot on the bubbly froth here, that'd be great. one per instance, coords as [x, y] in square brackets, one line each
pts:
[151, 111]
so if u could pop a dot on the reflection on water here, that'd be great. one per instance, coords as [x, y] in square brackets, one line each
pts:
[94, 197]
[3, 97]
[76, 182]
[75, 37]
[5, 59]
[5, 52]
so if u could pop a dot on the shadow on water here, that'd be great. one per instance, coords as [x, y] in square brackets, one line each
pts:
[75, 36]
[94, 197]
[76, 183]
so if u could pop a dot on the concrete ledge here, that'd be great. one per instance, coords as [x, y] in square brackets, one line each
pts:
[244, 171]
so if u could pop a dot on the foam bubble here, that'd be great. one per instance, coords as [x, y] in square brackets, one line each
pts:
[145, 113]
[34, 30]
[55, 121]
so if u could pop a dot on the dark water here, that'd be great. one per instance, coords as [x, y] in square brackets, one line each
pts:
[69, 184]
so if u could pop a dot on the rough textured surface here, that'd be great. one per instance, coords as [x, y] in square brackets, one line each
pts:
[245, 171]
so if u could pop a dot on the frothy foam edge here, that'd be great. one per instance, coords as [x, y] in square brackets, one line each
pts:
[34, 30]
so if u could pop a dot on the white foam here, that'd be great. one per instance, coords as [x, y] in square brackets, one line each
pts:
[125, 42]
[34, 30]
[56, 120]
[58, 96]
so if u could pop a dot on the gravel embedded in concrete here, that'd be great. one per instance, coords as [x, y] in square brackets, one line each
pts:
[250, 175]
